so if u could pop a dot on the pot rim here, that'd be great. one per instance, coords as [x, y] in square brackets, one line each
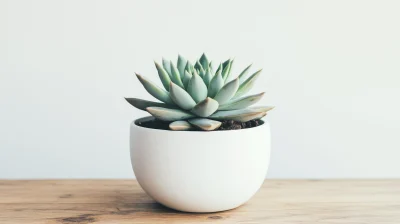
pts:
[134, 123]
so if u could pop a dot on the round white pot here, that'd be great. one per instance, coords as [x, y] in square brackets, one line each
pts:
[196, 171]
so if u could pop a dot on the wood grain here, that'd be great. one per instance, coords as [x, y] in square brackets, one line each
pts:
[123, 201]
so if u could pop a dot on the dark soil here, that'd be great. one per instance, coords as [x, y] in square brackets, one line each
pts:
[154, 124]
[234, 125]
[226, 125]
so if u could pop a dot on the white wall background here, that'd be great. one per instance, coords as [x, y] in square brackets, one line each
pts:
[331, 68]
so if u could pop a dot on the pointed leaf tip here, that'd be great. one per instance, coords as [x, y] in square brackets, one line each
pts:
[204, 61]
[155, 91]
[216, 83]
[205, 124]
[186, 79]
[175, 75]
[248, 84]
[181, 97]
[181, 64]
[242, 115]
[143, 104]
[180, 126]
[242, 103]
[227, 91]
[262, 108]
[207, 77]
[197, 88]
[166, 65]
[164, 77]
[206, 107]
[243, 74]
[167, 114]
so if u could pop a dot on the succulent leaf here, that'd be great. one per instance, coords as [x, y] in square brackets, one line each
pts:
[225, 63]
[186, 78]
[231, 65]
[243, 74]
[181, 64]
[242, 102]
[202, 73]
[260, 116]
[175, 76]
[242, 115]
[226, 71]
[215, 85]
[164, 77]
[219, 69]
[167, 114]
[249, 116]
[227, 92]
[205, 124]
[211, 67]
[206, 107]
[181, 97]
[143, 104]
[180, 126]
[262, 108]
[167, 66]
[189, 67]
[207, 77]
[204, 61]
[247, 85]
[198, 66]
[155, 91]
[197, 88]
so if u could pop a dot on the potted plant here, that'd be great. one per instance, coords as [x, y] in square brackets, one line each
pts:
[203, 149]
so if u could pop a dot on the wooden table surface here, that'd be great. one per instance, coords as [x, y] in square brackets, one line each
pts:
[123, 201]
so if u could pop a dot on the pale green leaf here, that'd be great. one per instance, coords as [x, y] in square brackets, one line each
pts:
[205, 108]
[241, 102]
[181, 97]
[207, 77]
[143, 104]
[247, 85]
[167, 66]
[197, 88]
[204, 61]
[180, 126]
[227, 92]
[181, 64]
[243, 74]
[205, 124]
[164, 76]
[186, 78]
[211, 68]
[155, 91]
[167, 114]
[198, 66]
[226, 71]
[261, 108]
[242, 115]
[175, 76]
[215, 85]
[189, 67]
[219, 69]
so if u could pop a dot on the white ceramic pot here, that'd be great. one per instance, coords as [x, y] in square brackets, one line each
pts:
[196, 171]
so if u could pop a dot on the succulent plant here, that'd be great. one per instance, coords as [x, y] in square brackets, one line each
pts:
[196, 96]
